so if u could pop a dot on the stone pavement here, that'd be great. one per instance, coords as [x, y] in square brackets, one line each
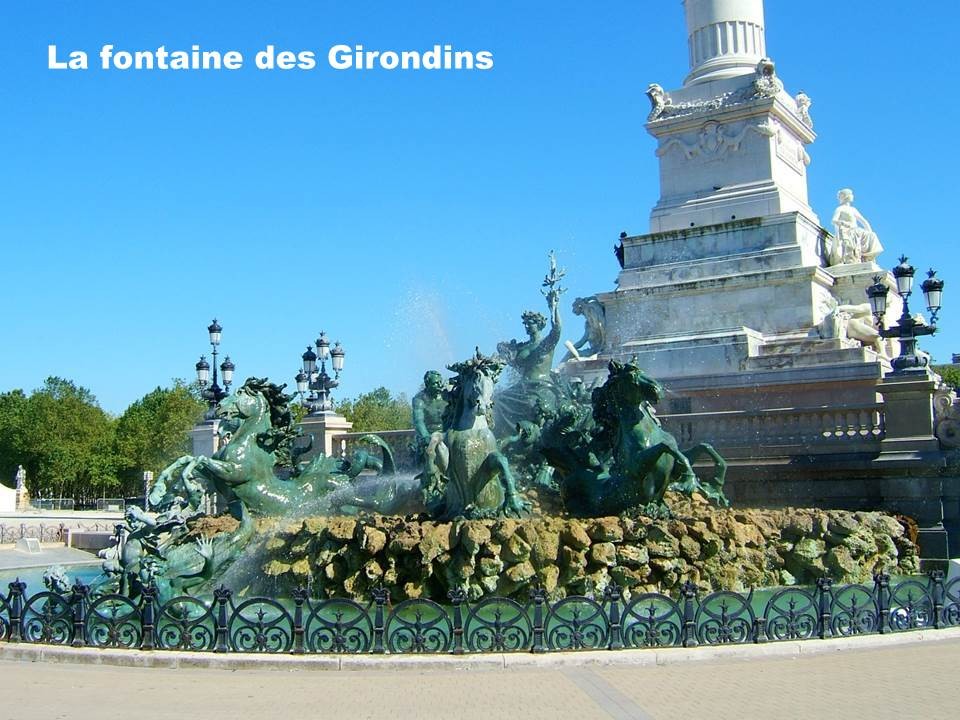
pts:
[906, 680]
[50, 554]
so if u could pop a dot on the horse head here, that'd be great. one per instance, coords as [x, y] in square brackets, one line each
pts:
[627, 389]
[471, 391]
[247, 402]
[257, 406]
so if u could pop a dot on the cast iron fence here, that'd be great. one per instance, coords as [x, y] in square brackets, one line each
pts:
[46, 532]
[302, 624]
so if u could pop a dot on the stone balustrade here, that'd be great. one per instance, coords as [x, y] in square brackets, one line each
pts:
[813, 427]
[856, 428]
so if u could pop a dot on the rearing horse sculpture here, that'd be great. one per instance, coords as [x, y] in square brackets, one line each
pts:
[244, 469]
[479, 482]
[621, 457]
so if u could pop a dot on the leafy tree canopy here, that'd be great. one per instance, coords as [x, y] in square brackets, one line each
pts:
[950, 374]
[377, 410]
[70, 447]
[62, 438]
[154, 431]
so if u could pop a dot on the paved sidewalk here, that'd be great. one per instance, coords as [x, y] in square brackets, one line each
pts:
[12, 559]
[908, 680]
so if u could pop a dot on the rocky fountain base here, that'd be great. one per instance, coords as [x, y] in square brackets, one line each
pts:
[717, 549]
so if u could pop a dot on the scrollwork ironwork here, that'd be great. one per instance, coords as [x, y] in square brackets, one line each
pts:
[853, 610]
[791, 614]
[652, 620]
[724, 618]
[911, 606]
[498, 625]
[186, 623]
[48, 619]
[576, 623]
[950, 615]
[113, 621]
[4, 614]
[493, 624]
[338, 626]
[260, 625]
[419, 626]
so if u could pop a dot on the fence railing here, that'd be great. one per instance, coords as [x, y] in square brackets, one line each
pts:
[401, 444]
[111, 504]
[42, 532]
[301, 624]
[53, 503]
[46, 532]
[809, 427]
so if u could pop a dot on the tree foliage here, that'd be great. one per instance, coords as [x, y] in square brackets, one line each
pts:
[61, 436]
[950, 374]
[153, 432]
[377, 410]
[70, 447]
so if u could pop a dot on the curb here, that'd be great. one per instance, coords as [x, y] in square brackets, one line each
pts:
[173, 659]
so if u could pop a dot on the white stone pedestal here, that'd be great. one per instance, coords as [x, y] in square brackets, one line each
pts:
[204, 439]
[323, 426]
[908, 411]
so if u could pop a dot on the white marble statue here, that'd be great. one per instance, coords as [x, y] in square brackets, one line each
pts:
[854, 322]
[23, 495]
[659, 100]
[803, 108]
[854, 240]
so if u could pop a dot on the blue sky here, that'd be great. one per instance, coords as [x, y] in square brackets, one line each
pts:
[407, 214]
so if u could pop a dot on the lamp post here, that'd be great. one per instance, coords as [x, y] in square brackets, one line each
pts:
[316, 381]
[214, 394]
[908, 328]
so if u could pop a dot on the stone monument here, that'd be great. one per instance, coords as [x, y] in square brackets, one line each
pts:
[750, 312]
[23, 494]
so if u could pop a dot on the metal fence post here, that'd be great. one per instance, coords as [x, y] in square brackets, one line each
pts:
[881, 586]
[299, 598]
[824, 587]
[759, 630]
[15, 601]
[221, 596]
[688, 591]
[381, 597]
[539, 597]
[936, 592]
[78, 599]
[613, 594]
[457, 596]
[148, 616]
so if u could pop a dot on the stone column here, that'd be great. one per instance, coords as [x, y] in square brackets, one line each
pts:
[725, 37]
[915, 488]
[204, 439]
[323, 426]
[908, 412]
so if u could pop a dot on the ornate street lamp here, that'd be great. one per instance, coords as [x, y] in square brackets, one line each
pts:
[908, 328]
[214, 394]
[316, 381]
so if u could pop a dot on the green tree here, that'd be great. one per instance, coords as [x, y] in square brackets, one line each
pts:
[11, 413]
[62, 438]
[950, 374]
[377, 410]
[154, 431]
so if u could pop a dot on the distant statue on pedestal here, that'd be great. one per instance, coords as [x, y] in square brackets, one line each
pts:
[803, 108]
[23, 497]
[853, 322]
[854, 240]
[591, 344]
